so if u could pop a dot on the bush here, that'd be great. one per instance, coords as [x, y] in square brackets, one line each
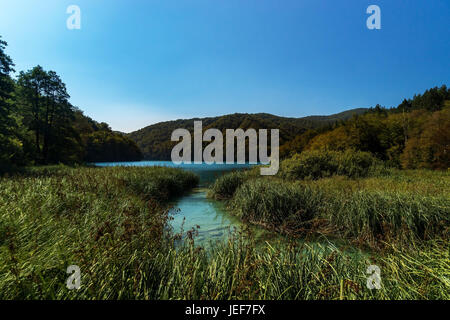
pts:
[320, 164]
[355, 164]
[225, 186]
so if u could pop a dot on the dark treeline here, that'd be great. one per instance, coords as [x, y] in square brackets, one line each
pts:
[38, 124]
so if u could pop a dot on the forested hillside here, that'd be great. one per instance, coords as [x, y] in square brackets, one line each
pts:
[415, 134]
[154, 140]
[38, 124]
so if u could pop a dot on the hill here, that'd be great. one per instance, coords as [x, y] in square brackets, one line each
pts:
[344, 115]
[154, 140]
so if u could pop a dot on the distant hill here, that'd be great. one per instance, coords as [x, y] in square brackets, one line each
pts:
[338, 116]
[154, 140]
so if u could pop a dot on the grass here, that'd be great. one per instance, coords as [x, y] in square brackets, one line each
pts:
[400, 219]
[403, 206]
[239, 270]
[274, 202]
[104, 220]
[113, 224]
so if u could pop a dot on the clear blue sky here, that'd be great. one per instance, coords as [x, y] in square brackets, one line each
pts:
[134, 63]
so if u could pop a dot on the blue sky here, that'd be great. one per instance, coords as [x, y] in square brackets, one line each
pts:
[134, 63]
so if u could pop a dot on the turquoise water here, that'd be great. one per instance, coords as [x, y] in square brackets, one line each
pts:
[195, 209]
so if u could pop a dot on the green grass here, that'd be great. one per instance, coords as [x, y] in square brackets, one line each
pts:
[368, 211]
[401, 218]
[239, 270]
[113, 224]
[272, 201]
[104, 220]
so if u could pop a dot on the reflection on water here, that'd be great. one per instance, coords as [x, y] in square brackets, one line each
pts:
[195, 209]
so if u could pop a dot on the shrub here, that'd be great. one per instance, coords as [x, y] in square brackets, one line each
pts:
[225, 186]
[320, 164]
[355, 164]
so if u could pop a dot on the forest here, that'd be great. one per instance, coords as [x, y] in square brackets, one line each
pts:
[415, 134]
[38, 124]
[155, 143]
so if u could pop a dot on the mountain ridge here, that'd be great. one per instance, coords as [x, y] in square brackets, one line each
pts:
[154, 140]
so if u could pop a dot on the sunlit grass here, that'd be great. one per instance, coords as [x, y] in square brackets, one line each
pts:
[113, 224]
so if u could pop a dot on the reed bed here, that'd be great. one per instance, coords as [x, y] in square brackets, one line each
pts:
[397, 205]
[113, 224]
[105, 220]
[345, 210]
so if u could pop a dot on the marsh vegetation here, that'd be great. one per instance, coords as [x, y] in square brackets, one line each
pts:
[114, 223]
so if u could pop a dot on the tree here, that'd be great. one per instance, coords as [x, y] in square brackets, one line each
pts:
[30, 92]
[46, 111]
[10, 146]
[430, 148]
[104, 145]
[58, 112]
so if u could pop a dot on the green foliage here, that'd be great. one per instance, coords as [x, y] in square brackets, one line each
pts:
[319, 164]
[399, 208]
[38, 125]
[431, 100]
[110, 223]
[273, 202]
[429, 146]
[10, 145]
[110, 146]
[154, 140]
[225, 185]
[42, 102]
[413, 135]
